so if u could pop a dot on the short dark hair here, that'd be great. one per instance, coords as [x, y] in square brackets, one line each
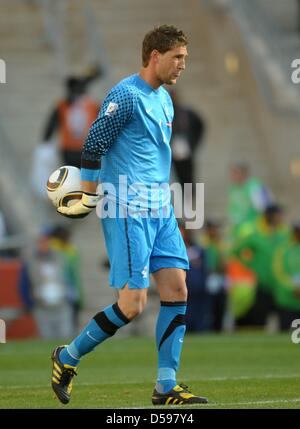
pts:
[163, 38]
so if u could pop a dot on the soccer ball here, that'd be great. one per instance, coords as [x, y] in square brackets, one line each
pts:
[63, 181]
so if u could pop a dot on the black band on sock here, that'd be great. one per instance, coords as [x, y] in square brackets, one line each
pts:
[105, 324]
[177, 321]
[119, 313]
[172, 303]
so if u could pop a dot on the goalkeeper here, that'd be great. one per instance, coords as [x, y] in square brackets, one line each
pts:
[131, 138]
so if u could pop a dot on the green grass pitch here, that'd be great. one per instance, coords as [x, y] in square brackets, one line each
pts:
[234, 371]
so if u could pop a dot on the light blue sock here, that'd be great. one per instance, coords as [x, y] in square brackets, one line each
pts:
[103, 325]
[170, 330]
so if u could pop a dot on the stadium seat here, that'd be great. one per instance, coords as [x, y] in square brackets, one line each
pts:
[9, 278]
[23, 326]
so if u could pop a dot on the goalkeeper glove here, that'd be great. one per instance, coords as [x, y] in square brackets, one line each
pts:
[80, 209]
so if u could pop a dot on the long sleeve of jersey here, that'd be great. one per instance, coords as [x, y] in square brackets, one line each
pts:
[117, 109]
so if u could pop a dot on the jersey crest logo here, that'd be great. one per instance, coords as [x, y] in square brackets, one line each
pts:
[111, 109]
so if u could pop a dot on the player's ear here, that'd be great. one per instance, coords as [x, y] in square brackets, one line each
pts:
[155, 56]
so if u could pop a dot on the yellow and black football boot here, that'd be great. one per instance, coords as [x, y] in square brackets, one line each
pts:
[62, 376]
[179, 395]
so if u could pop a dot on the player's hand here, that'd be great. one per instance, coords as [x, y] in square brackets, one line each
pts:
[80, 209]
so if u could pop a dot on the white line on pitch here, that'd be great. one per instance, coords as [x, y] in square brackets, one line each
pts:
[246, 377]
[271, 401]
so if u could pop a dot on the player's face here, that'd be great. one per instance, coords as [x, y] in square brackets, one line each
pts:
[171, 64]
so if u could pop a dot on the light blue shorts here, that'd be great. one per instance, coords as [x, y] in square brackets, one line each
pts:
[138, 246]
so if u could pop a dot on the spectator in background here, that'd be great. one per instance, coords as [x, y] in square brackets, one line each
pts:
[61, 242]
[215, 258]
[53, 310]
[72, 117]
[248, 198]
[255, 249]
[71, 120]
[286, 272]
[198, 314]
[187, 134]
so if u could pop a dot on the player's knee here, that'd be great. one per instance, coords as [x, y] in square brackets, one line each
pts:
[180, 292]
[134, 308]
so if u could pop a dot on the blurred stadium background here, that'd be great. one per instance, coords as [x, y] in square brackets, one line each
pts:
[238, 78]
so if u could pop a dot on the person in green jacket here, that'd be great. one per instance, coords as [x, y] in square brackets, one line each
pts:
[247, 198]
[255, 248]
[286, 272]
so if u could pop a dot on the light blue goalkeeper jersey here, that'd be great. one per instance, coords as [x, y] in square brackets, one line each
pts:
[132, 138]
